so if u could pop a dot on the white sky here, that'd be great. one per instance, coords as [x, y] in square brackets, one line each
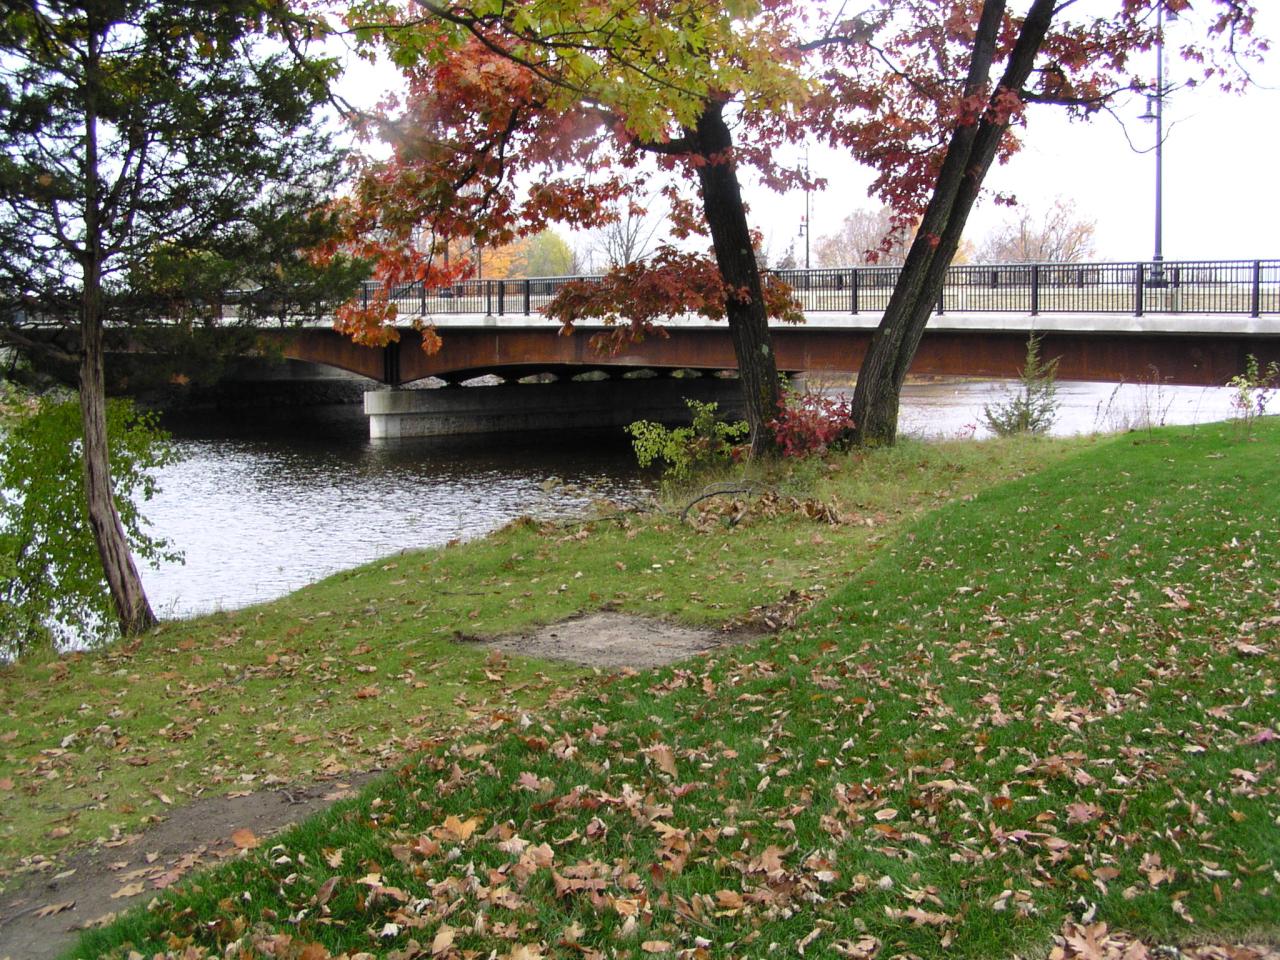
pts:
[1221, 170]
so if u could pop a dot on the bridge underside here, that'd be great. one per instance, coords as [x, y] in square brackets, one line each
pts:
[1205, 359]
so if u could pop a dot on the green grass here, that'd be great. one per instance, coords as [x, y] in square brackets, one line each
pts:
[1055, 698]
[352, 672]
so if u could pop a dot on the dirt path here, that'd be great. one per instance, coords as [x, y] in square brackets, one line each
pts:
[42, 918]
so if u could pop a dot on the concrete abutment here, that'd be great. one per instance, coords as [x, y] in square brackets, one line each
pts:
[560, 406]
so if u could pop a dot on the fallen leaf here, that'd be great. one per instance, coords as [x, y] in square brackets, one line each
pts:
[443, 940]
[729, 899]
[325, 891]
[865, 948]
[54, 908]
[245, 839]
[128, 890]
[922, 917]
[664, 757]
[655, 946]
[459, 830]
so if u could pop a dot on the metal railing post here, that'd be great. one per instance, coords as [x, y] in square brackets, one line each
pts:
[1035, 289]
[502, 296]
[526, 297]
[853, 290]
[422, 285]
[1255, 294]
[1139, 288]
[488, 298]
[364, 294]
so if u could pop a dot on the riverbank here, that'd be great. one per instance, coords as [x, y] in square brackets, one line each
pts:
[353, 671]
[1054, 689]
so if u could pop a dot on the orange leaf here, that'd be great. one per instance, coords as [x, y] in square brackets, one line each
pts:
[245, 839]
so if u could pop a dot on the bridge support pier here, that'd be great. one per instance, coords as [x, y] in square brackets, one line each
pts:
[561, 406]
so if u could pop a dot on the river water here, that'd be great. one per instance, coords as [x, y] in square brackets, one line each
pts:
[259, 512]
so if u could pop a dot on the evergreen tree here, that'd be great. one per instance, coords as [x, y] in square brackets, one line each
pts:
[141, 134]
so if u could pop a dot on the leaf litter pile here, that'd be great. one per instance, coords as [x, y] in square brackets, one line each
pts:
[1045, 721]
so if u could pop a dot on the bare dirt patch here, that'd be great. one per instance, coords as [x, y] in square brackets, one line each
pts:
[612, 641]
[42, 918]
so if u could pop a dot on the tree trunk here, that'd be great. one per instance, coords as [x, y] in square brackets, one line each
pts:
[969, 157]
[744, 306]
[132, 607]
[130, 599]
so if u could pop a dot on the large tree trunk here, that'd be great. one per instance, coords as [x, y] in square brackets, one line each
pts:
[130, 599]
[731, 239]
[969, 156]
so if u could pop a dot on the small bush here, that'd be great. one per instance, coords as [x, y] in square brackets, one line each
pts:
[1033, 407]
[706, 444]
[1253, 391]
[809, 423]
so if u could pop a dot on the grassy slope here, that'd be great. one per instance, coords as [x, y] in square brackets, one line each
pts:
[348, 673]
[1058, 696]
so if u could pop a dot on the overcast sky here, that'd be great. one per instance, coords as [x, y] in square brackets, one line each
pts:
[1221, 170]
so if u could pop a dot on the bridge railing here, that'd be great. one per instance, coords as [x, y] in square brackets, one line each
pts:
[1225, 287]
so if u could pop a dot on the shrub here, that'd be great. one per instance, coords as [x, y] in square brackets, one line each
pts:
[706, 444]
[809, 422]
[1253, 391]
[1033, 407]
[51, 582]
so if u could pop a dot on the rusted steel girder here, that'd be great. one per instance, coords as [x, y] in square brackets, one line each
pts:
[1181, 358]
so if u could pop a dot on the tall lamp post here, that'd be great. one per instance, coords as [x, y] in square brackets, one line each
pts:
[805, 222]
[1155, 111]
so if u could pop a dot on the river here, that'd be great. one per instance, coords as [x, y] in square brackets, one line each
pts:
[261, 511]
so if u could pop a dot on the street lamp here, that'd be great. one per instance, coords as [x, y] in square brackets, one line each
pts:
[806, 220]
[1155, 112]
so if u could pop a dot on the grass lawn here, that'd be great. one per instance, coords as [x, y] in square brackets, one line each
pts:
[1055, 699]
[355, 671]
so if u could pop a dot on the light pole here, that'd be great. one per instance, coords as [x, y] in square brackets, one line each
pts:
[805, 223]
[1155, 111]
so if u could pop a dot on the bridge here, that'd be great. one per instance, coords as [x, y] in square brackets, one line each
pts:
[1186, 322]
[1181, 322]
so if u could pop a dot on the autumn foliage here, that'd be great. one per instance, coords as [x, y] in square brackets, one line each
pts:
[671, 283]
[523, 114]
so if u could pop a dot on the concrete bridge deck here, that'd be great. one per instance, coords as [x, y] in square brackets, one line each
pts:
[1197, 349]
